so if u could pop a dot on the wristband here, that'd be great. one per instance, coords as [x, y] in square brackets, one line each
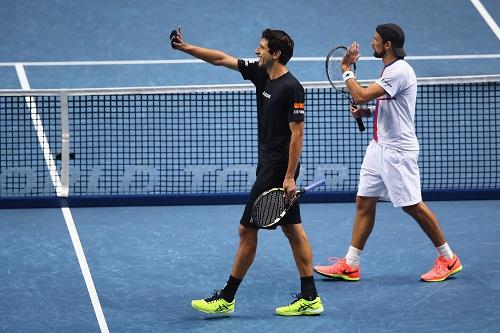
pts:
[372, 110]
[348, 75]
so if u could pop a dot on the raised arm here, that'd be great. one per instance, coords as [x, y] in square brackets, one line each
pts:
[214, 57]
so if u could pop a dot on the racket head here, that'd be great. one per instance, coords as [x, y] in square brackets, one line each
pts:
[334, 73]
[333, 67]
[334, 70]
[268, 208]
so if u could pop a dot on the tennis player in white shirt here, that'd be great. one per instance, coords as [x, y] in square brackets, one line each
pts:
[389, 170]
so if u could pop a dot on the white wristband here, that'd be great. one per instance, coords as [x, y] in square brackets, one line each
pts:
[348, 75]
[372, 110]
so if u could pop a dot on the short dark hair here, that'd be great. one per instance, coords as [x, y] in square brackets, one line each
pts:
[278, 40]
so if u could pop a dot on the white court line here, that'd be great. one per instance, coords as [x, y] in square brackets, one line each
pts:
[197, 61]
[487, 17]
[37, 123]
[56, 181]
[89, 282]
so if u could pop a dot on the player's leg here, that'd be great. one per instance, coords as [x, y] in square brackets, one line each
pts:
[301, 248]
[403, 183]
[447, 263]
[348, 268]
[427, 221]
[370, 188]
[246, 251]
[222, 301]
[307, 302]
[363, 221]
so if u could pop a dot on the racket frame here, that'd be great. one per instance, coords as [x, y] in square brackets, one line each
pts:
[298, 194]
[343, 90]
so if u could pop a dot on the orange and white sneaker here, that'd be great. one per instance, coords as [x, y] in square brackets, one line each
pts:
[339, 270]
[443, 269]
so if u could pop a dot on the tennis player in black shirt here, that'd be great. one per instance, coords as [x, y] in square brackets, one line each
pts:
[280, 112]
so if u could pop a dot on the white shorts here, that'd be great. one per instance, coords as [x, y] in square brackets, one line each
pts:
[390, 175]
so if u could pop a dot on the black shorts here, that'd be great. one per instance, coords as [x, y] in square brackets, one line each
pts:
[268, 177]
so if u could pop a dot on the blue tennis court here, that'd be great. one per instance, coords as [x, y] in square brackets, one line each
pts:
[147, 263]
[130, 255]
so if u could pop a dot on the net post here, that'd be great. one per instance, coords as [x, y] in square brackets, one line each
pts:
[64, 191]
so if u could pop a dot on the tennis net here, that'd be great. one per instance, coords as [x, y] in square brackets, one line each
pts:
[201, 141]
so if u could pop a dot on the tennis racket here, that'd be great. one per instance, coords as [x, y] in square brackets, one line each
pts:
[334, 73]
[270, 207]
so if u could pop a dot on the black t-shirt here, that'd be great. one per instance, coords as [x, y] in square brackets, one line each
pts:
[279, 102]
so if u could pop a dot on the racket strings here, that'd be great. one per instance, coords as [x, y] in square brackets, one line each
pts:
[334, 64]
[268, 208]
[335, 76]
[334, 70]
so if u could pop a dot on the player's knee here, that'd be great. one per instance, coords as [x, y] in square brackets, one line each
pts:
[365, 205]
[293, 232]
[412, 209]
[248, 235]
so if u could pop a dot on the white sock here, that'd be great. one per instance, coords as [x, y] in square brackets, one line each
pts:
[445, 251]
[353, 255]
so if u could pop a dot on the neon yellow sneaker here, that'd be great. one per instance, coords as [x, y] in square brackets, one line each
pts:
[214, 305]
[300, 306]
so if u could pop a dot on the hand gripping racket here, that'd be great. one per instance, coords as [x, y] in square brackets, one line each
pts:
[270, 207]
[334, 73]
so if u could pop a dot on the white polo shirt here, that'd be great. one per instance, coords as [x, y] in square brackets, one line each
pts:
[394, 116]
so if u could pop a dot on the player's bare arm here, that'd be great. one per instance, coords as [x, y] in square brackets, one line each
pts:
[295, 150]
[214, 57]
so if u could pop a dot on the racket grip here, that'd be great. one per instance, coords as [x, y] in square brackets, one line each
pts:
[359, 121]
[361, 126]
[314, 185]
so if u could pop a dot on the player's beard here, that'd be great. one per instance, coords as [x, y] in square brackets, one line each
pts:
[379, 55]
[263, 63]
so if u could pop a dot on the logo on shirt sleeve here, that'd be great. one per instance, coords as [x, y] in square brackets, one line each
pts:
[386, 82]
[298, 108]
